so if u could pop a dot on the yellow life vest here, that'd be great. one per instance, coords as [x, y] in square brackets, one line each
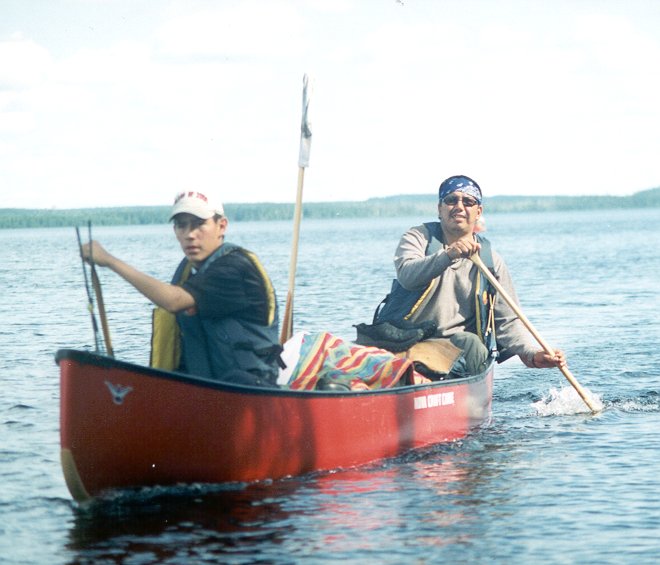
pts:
[166, 335]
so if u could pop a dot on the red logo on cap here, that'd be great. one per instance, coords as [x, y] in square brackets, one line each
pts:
[191, 194]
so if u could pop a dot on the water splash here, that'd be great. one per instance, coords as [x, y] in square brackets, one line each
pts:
[565, 401]
[646, 402]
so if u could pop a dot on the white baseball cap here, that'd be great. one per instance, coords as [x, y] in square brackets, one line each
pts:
[197, 204]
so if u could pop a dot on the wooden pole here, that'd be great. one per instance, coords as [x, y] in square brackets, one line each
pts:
[303, 161]
[90, 300]
[96, 283]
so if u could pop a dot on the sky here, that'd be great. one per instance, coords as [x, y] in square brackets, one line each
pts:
[128, 102]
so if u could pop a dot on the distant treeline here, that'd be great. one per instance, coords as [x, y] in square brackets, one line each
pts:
[391, 206]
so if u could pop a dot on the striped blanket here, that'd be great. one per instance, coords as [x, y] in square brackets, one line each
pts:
[323, 355]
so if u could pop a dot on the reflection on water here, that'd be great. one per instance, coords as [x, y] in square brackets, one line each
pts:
[185, 523]
[440, 489]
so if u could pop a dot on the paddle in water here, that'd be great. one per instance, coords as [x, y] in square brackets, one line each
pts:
[569, 376]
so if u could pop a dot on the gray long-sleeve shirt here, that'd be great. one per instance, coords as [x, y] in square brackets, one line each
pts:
[450, 303]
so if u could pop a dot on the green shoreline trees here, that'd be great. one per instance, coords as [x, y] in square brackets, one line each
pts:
[391, 206]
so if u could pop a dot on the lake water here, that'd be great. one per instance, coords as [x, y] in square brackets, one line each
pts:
[544, 482]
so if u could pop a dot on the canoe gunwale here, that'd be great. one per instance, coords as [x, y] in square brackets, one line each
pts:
[103, 361]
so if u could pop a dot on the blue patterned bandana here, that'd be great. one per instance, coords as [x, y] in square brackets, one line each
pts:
[460, 183]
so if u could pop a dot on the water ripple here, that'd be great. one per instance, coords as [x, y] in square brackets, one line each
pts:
[545, 481]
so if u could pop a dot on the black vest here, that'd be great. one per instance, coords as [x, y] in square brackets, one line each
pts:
[212, 347]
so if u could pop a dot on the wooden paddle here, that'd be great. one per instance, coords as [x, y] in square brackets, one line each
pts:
[303, 162]
[571, 379]
[96, 283]
[90, 300]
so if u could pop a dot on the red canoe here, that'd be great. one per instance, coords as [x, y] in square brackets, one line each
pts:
[124, 425]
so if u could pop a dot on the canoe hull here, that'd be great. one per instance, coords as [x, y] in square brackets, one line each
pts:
[124, 425]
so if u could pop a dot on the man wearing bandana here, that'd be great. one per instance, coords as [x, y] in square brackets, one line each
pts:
[450, 301]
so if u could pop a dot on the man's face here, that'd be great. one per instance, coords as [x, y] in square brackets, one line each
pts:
[199, 238]
[459, 213]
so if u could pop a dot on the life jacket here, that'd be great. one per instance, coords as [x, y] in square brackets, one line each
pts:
[214, 347]
[400, 304]
[165, 332]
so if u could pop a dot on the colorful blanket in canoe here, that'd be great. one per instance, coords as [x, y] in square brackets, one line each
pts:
[325, 356]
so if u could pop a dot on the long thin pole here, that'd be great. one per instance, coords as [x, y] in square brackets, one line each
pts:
[96, 283]
[90, 300]
[569, 376]
[303, 162]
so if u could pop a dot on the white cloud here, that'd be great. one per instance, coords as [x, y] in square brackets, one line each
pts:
[121, 63]
[233, 32]
[208, 94]
[23, 63]
[16, 122]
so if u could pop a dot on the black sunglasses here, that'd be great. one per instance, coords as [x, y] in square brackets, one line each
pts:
[453, 199]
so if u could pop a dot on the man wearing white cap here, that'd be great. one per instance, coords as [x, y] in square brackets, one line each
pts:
[223, 300]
